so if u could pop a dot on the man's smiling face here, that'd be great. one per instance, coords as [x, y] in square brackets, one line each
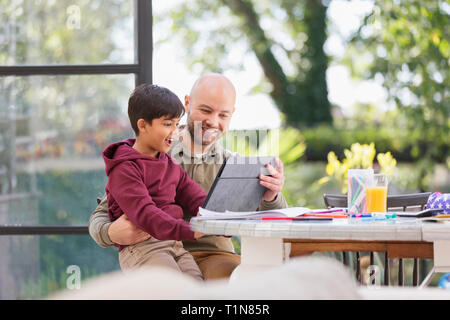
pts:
[210, 107]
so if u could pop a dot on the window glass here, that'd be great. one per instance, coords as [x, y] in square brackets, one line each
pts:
[35, 267]
[53, 130]
[52, 133]
[61, 32]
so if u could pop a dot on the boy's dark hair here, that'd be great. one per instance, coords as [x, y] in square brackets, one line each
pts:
[149, 101]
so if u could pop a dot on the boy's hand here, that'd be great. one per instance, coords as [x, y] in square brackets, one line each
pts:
[123, 232]
[198, 234]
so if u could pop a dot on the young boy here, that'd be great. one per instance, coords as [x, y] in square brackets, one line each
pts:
[149, 187]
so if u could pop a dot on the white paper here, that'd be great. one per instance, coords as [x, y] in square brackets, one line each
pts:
[286, 212]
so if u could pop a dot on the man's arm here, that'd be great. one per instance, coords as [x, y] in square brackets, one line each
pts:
[99, 223]
[107, 233]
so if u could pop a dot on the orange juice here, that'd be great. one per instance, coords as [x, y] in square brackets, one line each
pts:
[376, 199]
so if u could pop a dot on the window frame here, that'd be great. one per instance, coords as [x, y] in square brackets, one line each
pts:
[141, 68]
[143, 51]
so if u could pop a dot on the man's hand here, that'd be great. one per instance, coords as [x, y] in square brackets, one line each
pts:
[198, 235]
[123, 232]
[273, 183]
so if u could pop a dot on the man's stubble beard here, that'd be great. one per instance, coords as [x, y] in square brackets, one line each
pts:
[195, 129]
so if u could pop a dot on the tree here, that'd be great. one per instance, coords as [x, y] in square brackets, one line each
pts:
[286, 37]
[406, 45]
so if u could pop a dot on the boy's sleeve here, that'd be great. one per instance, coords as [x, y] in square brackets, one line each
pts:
[99, 223]
[189, 194]
[125, 184]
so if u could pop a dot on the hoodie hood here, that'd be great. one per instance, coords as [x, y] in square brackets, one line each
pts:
[119, 152]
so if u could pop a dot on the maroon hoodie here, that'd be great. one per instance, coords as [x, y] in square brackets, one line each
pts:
[152, 192]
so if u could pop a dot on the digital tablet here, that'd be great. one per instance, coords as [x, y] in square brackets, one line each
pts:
[237, 187]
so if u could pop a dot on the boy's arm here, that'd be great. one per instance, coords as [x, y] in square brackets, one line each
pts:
[129, 191]
[189, 194]
[99, 223]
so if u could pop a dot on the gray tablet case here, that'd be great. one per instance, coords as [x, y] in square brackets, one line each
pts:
[236, 187]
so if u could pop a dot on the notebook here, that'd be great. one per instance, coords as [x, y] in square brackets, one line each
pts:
[419, 214]
[236, 187]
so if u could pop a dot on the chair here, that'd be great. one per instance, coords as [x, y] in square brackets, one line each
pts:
[394, 202]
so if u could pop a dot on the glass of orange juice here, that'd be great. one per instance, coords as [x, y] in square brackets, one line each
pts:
[376, 194]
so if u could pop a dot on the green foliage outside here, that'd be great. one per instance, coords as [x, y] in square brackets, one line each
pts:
[294, 66]
[357, 157]
[401, 44]
[406, 45]
[324, 139]
[288, 143]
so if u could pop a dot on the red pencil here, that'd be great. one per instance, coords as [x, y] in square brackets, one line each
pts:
[321, 217]
[325, 215]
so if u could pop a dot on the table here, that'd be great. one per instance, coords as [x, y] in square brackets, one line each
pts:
[439, 234]
[266, 244]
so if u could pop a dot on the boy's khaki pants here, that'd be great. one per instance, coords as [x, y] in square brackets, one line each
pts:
[165, 253]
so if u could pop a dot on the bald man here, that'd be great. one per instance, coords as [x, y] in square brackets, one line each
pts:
[209, 108]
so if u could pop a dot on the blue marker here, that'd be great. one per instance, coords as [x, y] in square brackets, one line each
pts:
[377, 219]
[368, 215]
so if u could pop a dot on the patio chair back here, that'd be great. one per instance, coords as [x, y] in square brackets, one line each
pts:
[413, 201]
[404, 201]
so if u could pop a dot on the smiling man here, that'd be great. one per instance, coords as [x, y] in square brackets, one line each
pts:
[209, 107]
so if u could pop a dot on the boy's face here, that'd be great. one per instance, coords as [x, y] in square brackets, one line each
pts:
[158, 135]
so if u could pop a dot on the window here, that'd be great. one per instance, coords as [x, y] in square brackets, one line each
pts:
[66, 72]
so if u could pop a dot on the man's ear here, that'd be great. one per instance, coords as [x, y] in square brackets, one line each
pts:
[186, 103]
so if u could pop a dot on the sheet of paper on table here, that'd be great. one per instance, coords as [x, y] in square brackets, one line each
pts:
[286, 212]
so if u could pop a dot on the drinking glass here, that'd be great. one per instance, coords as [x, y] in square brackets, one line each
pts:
[376, 194]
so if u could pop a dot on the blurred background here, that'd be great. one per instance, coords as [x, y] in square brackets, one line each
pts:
[339, 84]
